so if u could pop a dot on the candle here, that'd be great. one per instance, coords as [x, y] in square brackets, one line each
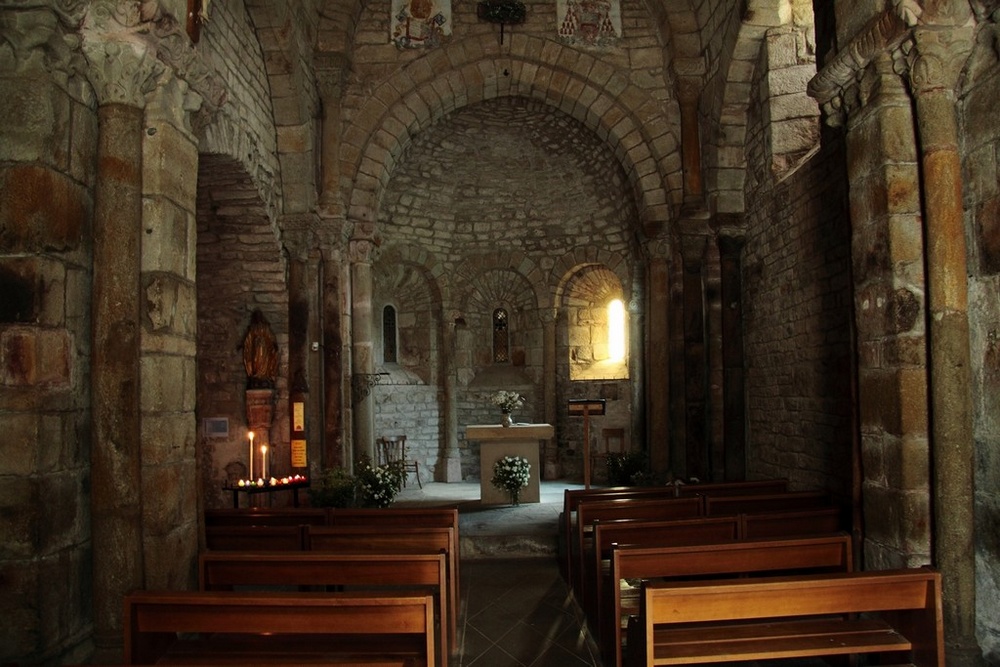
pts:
[250, 435]
[263, 464]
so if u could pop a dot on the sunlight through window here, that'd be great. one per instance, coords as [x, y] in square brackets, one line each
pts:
[616, 330]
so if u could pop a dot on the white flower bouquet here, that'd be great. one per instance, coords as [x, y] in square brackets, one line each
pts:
[511, 474]
[507, 401]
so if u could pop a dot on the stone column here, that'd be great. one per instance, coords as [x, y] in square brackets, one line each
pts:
[658, 355]
[452, 459]
[731, 244]
[335, 408]
[298, 238]
[692, 248]
[121, 76]
[550, 457]
[363, 378]
[329, 75]
[689, 93]
[938, 59]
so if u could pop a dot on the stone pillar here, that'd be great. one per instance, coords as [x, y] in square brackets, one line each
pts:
[121, 76]
[937, 61]
[692, 248]
[657, 354]
[335, 408]
[550, 455]
[731, 244]
[363, 378]
[330, 74]
[689, 94]
[451, 470]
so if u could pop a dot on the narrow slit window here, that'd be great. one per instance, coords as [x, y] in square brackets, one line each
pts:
[616, 330]
[389, 335]
[501, 337]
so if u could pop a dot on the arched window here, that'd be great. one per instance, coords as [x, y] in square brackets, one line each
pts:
[616, 330]
[501, 337]
[389, 335]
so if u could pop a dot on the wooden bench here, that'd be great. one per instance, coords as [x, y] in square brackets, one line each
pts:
[765, 502]
[573, 497]
[588, 512]
[255, 538]
[212, 627]
[631, 563]
[257, 571]
[608, 534]
[374, 539]
[258, 516]
[815, 521]
[895, 612]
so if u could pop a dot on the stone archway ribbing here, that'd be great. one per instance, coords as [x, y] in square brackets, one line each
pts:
[636, 126]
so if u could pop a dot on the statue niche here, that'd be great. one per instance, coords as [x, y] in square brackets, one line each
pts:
[260, 353]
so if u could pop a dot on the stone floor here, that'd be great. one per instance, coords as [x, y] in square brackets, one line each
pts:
[515, 609]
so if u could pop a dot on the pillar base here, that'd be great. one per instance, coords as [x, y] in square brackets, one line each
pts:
[452, 469]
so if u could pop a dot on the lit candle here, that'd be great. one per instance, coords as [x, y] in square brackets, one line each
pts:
[250, 435]
[263, 464]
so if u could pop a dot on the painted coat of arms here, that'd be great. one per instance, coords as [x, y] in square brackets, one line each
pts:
[589, 22]
[420, 23]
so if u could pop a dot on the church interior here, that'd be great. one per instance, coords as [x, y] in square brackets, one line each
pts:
[736, 240]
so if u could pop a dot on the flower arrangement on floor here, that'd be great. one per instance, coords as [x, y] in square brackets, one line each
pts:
[377, 486]
[511, 474]
[507, 401]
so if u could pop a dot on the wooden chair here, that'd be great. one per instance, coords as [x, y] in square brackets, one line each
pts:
[392, 449]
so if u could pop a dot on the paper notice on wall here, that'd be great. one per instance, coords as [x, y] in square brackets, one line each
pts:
[419, 23]
[298, 416]
[589, 22]
[299, 454]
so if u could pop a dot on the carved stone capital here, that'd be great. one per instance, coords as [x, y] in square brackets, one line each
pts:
[42, 38]
[121, 72]
[937, 58]
[298, 233]
[330, 76]
[362, 251]
[658, 248]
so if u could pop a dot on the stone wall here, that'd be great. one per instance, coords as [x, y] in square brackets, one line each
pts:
[47, 166]
[798, 317]
[981, 139]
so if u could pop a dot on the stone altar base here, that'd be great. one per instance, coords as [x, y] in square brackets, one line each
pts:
[497, 442]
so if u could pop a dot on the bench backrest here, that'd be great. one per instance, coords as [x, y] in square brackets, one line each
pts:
[912, 598]
[287, 516]
[744, 488]
[255, 538]
[154, 619]
[829, 553]
[765, 502]
[224, 571]
[817, 521]
[440, 517]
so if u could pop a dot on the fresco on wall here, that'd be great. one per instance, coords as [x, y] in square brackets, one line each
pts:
[589, 22]
[419, 23]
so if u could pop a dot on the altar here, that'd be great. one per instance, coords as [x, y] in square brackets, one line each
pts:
[497, 442]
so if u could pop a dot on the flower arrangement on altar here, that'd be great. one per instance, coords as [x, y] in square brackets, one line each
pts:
[511, 474]
[377, 485]
[507, 401]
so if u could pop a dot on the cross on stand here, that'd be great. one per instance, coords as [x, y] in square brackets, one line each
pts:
[586, 407]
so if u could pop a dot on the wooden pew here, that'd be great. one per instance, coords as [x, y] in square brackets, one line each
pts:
[573, 497]
[816, 521]
[265, 516]
[827, 553]
[224, 571]
[895, 612]
[608, 534]
[278, 628]
[373, 539]
[588, 512]
[765, 502]
[255, 538]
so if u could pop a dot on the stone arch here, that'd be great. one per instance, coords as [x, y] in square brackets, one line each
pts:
[570, 263]
[636, 126]
[240, 267]
[726, 158]
[466, 273]
[402, 278]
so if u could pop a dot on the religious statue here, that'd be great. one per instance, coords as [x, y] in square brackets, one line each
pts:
[260, 353]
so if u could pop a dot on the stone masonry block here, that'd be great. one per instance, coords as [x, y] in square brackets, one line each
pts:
[41, 210]
[170, 165]
[168, 240]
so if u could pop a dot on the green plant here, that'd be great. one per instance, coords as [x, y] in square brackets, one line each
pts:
[626, 468]
[377, 486]
[334, 488]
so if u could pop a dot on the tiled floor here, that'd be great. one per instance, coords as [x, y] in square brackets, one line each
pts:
[515, 608]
